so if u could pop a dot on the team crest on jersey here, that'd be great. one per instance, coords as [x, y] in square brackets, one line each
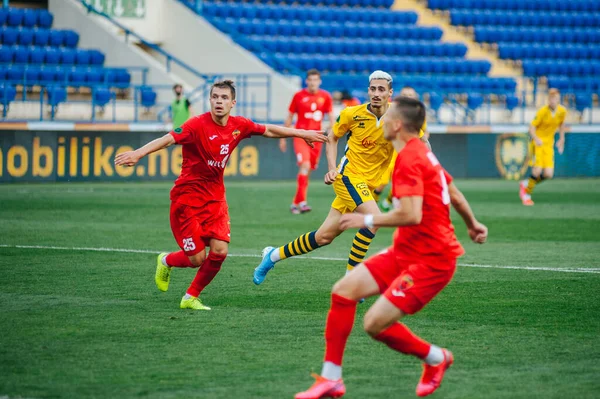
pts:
[178, 130]
[512, 155]
[406, 282]
[359, 118]
[236, 133]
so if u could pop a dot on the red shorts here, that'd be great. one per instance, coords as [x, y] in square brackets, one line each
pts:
[194, 227]
[305, 153]
[410, 284]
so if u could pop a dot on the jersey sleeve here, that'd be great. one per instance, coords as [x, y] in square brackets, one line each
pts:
[563, 117]
[342, 124]
[250, 128]
[448, 176]
[293, 108]
[186, 133]
[539, 115]
[408, 178]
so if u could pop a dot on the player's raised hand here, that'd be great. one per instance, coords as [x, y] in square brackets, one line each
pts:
[331, 176]
[352, 221]
[560, 145]
[478, 233]
[127, 158]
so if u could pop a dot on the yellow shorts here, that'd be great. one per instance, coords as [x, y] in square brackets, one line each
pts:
[350, 192]
[543, 156]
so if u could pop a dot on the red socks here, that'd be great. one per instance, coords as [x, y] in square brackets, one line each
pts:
[400, 338]
[178, 259]
[301, 189]
[340, 320]
[206, 273]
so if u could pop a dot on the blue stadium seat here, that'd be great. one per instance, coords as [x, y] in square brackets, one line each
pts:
[45, 19]
[67, 56]
[60, 76]
[56, 95]
[32, 76]
[511, 102]
[37, 55]
[30, 18]
[52, 56]
[7, 94]
[474, 101]
[94, 77]
[435, 101]
[9, 36]
[25, 37]
[46, 76]
[21, 55]
[15, 16]
[96, 57]
[41, 37]
[77, 78]
[582, 102]
[3, 15]
[147, 97]
[56, 38]
[15, 73]
[101, 96]
[82, 57]
[71, 38]
[6, 55]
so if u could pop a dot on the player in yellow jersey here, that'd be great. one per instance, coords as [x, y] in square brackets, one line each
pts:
[366, 158]
[547, 120]
[386, 204]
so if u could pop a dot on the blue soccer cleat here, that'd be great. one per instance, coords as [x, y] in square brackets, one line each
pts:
[260, 273]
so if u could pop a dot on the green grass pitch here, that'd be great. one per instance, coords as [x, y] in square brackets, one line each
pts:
[86, 324]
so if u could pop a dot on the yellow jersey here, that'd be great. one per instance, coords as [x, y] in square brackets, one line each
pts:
[368, 153]
[547, 122]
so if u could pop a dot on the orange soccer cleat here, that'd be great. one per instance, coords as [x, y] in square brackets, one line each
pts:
[525, 197]
[323, 388]
[433, 375]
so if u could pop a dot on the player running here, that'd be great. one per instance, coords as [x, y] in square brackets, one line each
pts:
[199, 212]
[366, 158]
[409, 274]
[311, 105]
[547, 120]
[386, 203]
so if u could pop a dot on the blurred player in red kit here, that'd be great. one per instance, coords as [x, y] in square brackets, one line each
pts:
[311, 105]
[199, 212]
[410, 273]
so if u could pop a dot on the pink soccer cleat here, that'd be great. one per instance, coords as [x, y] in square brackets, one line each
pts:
[304, 207]
[323, 388]
[433, 375]
[525, 197]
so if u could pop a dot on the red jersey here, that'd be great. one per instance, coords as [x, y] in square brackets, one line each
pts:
[418, 173]
[206, 149]
[310, 108]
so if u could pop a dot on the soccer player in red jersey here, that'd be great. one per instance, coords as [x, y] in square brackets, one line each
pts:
[311, 105]
[409, 274]
[199, 212]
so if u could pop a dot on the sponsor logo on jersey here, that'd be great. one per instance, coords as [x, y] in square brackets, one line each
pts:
[512, 155]
[368, 143]
[406, 282]
[359, 118]
[178, 130]
[216, 164]
[213, 137]
[361, 125]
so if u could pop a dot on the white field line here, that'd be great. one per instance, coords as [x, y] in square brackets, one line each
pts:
[146, 251]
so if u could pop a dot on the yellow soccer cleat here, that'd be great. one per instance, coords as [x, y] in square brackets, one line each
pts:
[192, 303]
[163, 273]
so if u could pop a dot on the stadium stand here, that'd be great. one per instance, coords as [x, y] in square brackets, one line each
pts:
[345, 44]
[33, 54]
[559, 41]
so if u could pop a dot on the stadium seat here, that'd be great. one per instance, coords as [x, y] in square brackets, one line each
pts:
[30, 18]
[67, 56]
[45, 19]
[512, 102]
[94, 77]
[37, 55]
[56, 38]
[101, 96]
[147, 97]
[15, 73]
[582, 102]
[71, 38]
[41, 37]
[96, 57]
[82, 57]
[56, 95]
[9, 36]
[21, 55]
[3, 15]
[46, 76]
[6, 54]
[32, 76]
[52, 56]
[15, 16]
[25, 37]
[7, 94]
[77, 78]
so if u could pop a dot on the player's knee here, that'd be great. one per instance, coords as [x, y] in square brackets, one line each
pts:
[198, 259]
[346, 288]
[221, 252]
[304, 168]
[548, 174]
[372, 325]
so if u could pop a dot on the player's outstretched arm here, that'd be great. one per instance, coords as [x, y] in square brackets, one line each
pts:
[410, 212]
[310, 136]
[477, 231]
[130, 158]
[331, 154]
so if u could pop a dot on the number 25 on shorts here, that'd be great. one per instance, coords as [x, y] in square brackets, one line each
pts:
[188, 244]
